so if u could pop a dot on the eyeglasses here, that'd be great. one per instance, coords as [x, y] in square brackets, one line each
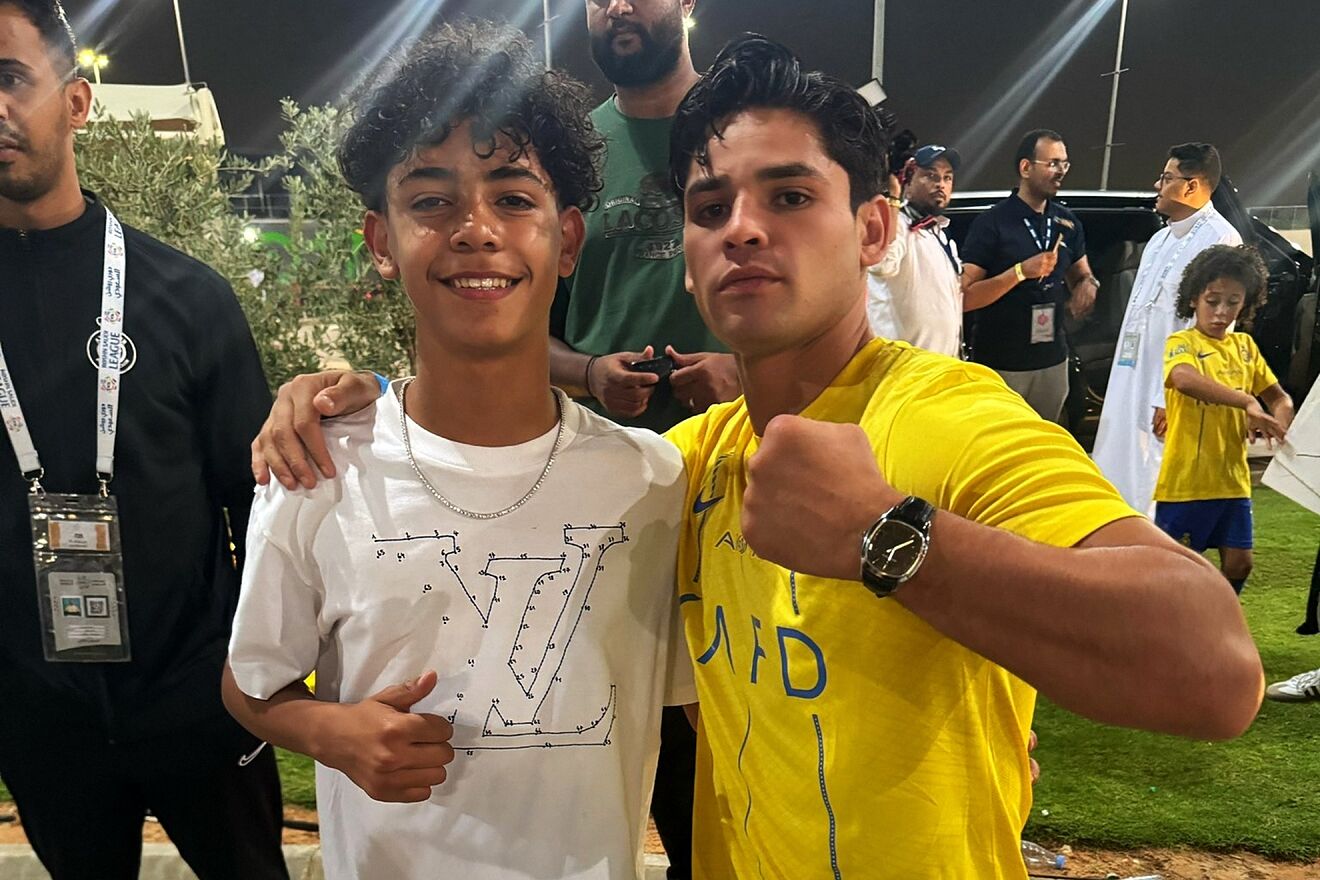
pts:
[1053, 164]
[1166, 177]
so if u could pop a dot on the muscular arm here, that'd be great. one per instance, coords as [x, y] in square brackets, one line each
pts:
[1124, 628]
[1107, 629]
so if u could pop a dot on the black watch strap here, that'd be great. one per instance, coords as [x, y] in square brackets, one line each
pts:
[917, 514]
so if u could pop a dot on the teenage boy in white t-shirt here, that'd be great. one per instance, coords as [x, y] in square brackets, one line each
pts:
[504, 553]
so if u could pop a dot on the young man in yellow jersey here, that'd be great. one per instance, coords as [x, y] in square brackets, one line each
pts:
[842, 734]
[1203, 494]
[865, 714]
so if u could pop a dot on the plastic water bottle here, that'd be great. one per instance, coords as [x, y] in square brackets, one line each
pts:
[1037, 856]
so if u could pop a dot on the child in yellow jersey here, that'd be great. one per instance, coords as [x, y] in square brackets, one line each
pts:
[1213, 377]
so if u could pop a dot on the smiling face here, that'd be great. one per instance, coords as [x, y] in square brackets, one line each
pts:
[776, 255]
[1218, 306]
[478, 242]
[1043, 175]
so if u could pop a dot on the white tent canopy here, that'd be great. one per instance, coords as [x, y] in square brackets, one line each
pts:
[174, 110]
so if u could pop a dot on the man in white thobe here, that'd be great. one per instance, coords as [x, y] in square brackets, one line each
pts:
[1130, 442]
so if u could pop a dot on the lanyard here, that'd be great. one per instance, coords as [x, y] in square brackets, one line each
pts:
[110, 358]
[1049, 229]
[931, 222]
[1149, 304]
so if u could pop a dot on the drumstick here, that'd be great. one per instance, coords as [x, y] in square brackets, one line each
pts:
[1058, 241]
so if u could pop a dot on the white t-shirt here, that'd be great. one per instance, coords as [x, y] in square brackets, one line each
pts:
[915, 293]
[553, 630]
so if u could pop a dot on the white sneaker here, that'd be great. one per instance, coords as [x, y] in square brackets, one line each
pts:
[1301, 688]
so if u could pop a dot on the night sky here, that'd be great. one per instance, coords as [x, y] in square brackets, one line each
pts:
[970, 73]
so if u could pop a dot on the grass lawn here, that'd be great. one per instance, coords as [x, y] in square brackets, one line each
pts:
[1120, 788]
[298, 779]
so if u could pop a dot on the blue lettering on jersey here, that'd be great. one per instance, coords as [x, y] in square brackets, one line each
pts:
[787, 638]
[721, 633]
[806, 693]
[757, 651]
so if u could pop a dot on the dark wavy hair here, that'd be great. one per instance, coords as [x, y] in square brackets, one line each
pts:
[1241, 264]
[48, 17]
[753, 72]
[485, 74]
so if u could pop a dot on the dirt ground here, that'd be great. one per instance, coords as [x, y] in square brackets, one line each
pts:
[1083, 864]
[1182, 864]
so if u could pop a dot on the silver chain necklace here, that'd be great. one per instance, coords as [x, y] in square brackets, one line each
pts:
[472, 514]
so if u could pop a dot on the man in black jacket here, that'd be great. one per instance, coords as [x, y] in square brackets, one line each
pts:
[86, 748]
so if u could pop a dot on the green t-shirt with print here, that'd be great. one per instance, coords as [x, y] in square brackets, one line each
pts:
[628, 290]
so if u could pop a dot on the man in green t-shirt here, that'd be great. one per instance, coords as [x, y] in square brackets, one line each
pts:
[627, 301]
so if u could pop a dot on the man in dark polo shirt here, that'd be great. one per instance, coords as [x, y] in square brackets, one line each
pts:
[1024, 261]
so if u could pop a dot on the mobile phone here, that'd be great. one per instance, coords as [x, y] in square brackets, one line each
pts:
[662, 366]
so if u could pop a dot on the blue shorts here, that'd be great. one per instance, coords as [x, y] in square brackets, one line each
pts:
[1220, 522]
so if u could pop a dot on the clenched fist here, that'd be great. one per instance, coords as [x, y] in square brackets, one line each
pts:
[813, 488]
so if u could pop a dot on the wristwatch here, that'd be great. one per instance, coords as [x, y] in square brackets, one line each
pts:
[895, 546]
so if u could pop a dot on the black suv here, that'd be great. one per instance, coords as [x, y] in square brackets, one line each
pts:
[1118, 225]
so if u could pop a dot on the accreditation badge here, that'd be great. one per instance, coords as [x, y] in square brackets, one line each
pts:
[1042, 323]
[80, 578]
[1127, 349]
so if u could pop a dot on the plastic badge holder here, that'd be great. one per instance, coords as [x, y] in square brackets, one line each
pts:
[80, 578]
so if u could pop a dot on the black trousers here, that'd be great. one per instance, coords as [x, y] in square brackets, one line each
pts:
[671, 803]
[82, 802]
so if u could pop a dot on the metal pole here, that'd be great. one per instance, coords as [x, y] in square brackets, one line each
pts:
[545, 16]
[96, 71]
[1113, 97]
[183, 49]
[878, 42]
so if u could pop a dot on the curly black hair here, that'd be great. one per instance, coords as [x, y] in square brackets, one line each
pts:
[485, 74]
[48, 17]
[753, 72]
[1241, 264]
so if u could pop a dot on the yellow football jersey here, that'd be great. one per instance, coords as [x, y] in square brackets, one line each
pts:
[1205, 449]
[842, 736]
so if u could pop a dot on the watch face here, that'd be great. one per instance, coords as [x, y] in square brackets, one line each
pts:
[896, 550]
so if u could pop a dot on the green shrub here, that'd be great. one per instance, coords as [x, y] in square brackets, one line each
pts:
[309, 290]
